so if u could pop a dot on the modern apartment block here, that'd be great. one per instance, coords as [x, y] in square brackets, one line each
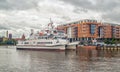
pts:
[105, 31]
[108, 30]
[88, 29]
[116, 31]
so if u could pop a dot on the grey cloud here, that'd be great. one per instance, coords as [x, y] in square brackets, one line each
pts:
[80, 10]
[11, 26]
[4, 26]
[78, 2]
[4, 4]
[106, 7]
[66, 18]
[100, 5]
[112, 16]
[17, 4]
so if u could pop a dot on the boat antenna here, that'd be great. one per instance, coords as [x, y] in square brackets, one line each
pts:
[51, 22]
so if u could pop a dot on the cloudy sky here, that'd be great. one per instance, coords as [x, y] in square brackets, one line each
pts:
[19, 16]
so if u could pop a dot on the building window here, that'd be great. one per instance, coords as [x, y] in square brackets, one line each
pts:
[85, 21]
[92, 29]
[81, 21]
[33, 42]
[88, 21]
[100, 31]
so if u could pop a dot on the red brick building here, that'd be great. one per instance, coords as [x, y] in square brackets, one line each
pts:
[88, 29]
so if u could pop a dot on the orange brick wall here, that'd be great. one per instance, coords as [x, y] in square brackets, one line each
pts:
[116, 31]
[107, 29]
[84, 29]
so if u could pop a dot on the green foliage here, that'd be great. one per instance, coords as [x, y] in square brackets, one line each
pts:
[113, 41]
[9, 42]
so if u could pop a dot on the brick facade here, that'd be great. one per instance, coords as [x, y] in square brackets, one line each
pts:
[90, 29]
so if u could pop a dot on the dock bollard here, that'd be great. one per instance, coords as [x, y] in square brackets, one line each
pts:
[102, 48]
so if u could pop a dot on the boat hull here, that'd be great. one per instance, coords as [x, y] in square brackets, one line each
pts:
[32, 47]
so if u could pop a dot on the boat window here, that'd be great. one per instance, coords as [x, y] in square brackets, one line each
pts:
[21, 42]
[26, 43]
[64, 38]
[55, 37]
[44, 42]
[50, 42]
[61, 31]
[50, 36]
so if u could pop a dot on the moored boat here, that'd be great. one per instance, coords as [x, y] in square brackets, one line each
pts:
[50, 39]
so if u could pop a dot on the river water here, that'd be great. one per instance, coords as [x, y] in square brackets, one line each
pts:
[83, 60]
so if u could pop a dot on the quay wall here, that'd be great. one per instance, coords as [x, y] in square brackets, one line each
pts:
[108, 48]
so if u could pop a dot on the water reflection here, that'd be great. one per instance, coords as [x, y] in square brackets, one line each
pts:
[89, 54]
[82, 60]
[96, 60]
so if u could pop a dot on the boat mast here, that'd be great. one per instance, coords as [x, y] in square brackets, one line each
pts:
[50, 26]
[51, 22]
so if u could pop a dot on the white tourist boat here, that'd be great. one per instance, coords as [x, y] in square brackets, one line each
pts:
[49, 39]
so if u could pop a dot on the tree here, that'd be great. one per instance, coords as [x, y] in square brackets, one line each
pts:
[9, 42]
[112, 41]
